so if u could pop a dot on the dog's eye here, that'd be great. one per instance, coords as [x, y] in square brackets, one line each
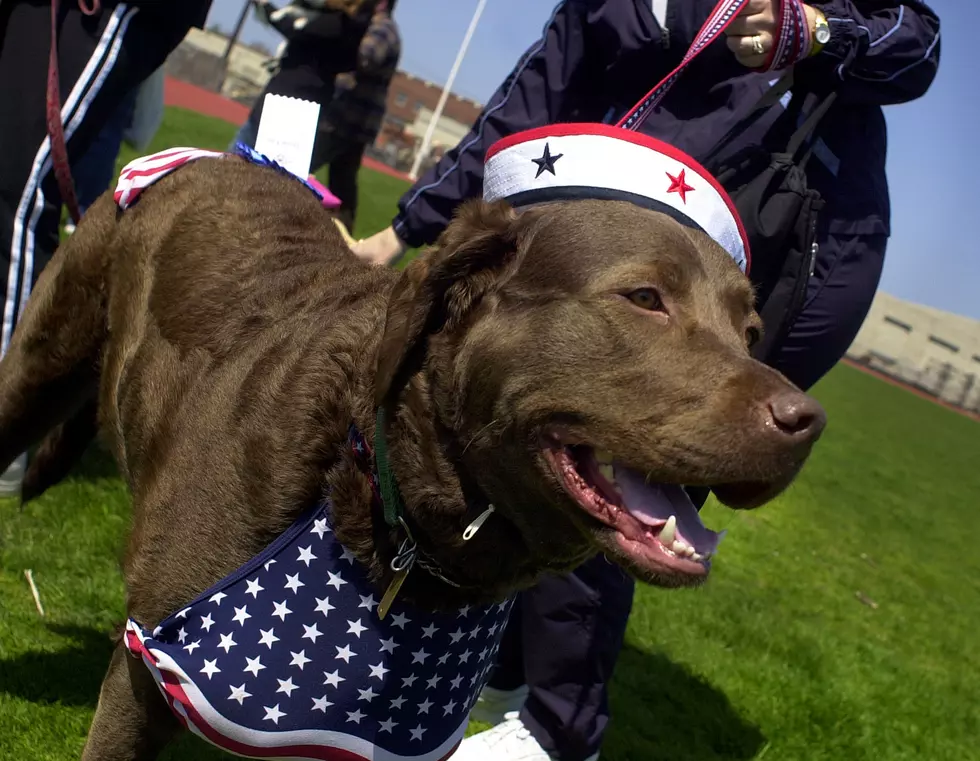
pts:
[647, 298]
[752, 336]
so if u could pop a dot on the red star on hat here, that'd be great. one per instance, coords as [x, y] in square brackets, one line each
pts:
[679, 185]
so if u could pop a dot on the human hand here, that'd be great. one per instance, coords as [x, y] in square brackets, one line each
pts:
[752, 34]
[381, 248]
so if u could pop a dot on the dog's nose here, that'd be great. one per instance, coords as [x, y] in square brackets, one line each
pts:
[797, 415]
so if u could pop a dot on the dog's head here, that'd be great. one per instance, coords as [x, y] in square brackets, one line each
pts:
[584, 361]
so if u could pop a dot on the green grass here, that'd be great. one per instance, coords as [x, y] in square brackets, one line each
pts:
[779, 657]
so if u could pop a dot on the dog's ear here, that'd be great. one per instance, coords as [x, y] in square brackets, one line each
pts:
[477, 253]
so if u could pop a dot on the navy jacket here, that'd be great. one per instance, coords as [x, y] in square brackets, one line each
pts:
[596, 58]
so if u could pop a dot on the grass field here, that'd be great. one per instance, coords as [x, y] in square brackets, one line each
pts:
[841, 622]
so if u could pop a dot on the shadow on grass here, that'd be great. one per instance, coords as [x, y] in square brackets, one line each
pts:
[95, 465]
[662, 711]
[70, 676]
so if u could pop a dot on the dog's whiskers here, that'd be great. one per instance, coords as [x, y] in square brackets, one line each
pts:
[477, 434]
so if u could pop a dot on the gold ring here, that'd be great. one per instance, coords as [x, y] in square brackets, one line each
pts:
[757, 46]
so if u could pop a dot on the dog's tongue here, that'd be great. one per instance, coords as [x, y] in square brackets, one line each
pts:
[657, 502]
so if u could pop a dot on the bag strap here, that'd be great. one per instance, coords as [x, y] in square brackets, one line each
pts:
[791, 43]
[56, 131]
[767, 100]
[806, 130]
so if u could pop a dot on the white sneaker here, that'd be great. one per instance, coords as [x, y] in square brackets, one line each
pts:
[13, 477]
[69, 228]
[493, 704]
[508, 741]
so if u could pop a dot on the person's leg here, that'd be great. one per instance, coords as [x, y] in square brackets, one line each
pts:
[566, 635]
[248, 133]
[839, 296]
[95, 170]
[101, 58]
[573, 629]
[344, 169]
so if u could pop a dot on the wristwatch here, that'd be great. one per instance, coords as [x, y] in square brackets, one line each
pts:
[821, 32]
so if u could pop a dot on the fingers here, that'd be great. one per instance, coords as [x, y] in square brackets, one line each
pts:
[745, 26]
[344, 234]
[751, 50]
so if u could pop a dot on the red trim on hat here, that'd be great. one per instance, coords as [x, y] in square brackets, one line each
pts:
[645, 141]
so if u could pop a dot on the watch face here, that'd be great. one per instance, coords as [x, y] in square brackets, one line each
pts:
[823, 34]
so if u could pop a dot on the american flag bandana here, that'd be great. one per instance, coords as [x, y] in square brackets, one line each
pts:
[140, 173]
[286, 658]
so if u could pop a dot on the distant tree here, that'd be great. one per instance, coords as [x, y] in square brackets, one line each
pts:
[216, 29]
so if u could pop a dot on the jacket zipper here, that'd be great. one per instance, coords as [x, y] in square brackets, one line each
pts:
[659, 8]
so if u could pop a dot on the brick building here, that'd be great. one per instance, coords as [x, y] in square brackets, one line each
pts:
[410, 105]
[411, 101]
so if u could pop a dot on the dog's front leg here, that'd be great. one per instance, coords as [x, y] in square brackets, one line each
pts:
[132, 721]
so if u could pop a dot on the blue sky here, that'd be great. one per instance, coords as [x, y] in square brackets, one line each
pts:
[933, 164]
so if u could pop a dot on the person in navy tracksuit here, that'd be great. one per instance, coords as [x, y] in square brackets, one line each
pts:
[105, 49]
[595, 59]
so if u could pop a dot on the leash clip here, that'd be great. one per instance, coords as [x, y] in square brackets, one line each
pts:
[475, 526]
[401, 564]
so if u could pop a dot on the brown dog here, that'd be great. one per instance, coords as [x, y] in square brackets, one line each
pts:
[570, 365]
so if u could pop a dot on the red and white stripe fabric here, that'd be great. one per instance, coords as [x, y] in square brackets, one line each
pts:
[140, 173]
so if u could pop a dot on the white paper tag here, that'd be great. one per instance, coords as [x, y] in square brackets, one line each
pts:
[287, 132]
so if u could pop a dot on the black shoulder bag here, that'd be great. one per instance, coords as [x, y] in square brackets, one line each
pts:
[778, 210]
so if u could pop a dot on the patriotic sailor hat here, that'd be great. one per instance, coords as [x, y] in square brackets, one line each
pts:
[566, 162]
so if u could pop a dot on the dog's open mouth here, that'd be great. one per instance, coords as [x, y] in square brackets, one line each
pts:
[656, 525]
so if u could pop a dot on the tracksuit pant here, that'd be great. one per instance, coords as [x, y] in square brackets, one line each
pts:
[101, 59]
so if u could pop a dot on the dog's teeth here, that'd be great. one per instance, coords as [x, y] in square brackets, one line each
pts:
[603, 457]
[607, 472]
[697, 556]
[682, 548]
[667, 533]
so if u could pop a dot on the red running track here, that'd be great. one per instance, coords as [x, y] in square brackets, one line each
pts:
[194, 98]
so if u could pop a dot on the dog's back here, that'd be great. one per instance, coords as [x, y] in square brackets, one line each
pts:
[171, 280]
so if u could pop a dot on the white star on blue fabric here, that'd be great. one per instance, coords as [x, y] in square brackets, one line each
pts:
[286, 686]
[227, 642]
[210, 668]
[323, 606]
[239, 694]
[241, 614]
[273, 714]
[319, 528]
[356, 628]
[311, 633]
[254, 665]
[345, 653]
[268, 637]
